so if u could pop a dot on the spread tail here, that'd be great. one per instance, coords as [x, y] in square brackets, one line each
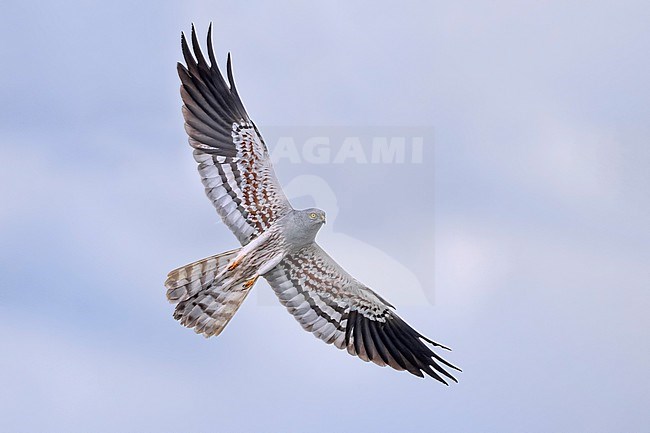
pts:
[204, 304]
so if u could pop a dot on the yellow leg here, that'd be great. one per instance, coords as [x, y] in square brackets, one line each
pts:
[248, 284]
[234, 264]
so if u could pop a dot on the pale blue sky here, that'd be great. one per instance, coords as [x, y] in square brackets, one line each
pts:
[526, 226]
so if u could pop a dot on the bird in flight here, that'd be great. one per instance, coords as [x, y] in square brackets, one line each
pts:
[278, 241]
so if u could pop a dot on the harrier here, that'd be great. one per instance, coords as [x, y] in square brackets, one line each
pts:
[278, 241]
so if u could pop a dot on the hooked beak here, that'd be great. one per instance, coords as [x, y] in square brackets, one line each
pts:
[323, 218]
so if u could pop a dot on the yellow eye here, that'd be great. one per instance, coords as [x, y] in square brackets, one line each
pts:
[312, 215]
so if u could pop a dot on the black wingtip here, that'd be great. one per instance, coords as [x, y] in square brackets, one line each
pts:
[194, 38]
[211, 56]
[200, 60]
[231, 79]
[229, 65]
[184, 38]
[442, 346]
[187, 53]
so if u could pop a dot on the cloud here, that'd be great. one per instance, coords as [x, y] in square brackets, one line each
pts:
[533, 195]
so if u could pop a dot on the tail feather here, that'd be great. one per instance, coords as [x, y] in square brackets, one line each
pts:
[186, 281]
[203, 303]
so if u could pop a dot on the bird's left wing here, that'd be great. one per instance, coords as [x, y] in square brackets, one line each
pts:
[234, 162]
[338, 309]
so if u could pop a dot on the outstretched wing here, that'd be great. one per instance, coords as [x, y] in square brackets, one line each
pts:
[338, 309]
[233, 160]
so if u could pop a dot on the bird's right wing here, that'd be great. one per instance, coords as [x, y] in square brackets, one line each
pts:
[338, 309]
[234, 162]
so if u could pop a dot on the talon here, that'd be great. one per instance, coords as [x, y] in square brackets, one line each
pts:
[248, 284]
[234, 264]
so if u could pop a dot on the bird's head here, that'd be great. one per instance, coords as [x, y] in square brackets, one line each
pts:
[304, 225]
[313, 216]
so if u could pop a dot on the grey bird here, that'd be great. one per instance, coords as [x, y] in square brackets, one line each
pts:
[278, 241]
